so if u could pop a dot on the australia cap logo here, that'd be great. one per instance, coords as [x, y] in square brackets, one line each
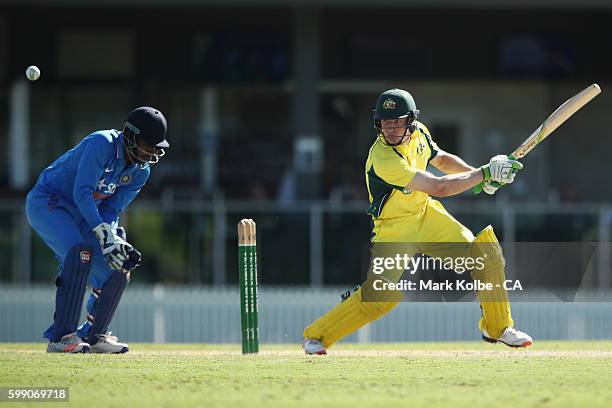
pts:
[389, 104]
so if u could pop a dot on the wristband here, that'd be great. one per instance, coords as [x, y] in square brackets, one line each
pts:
[486, 173]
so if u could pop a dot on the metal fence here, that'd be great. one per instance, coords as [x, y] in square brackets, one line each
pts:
[308, 242]
[212, 315]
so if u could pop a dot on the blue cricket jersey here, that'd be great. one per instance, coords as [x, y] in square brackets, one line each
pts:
[94, 179]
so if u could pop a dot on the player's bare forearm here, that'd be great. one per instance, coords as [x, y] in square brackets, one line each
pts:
[445, 186]
[449, 163]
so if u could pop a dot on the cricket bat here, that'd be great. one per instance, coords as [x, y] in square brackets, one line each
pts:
[563, 113]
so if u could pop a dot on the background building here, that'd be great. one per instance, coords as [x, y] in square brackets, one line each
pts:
[269, 109]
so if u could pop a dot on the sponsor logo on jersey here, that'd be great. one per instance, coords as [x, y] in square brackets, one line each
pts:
[105, 189]
[101, 184]
[99, 196]
[110, 189]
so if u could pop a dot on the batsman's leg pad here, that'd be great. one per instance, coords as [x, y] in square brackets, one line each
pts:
[106, 304]
[346, 318]
[70, 282]
[495, 306]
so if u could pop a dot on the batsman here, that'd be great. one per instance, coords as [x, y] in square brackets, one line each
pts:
[74, 207]
[403, 211]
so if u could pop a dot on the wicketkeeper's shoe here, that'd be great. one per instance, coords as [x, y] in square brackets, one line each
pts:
[314, 346]
[70, 343]
[109, 344]
[510, 337]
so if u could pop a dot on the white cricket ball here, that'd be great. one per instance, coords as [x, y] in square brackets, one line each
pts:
[32, 73]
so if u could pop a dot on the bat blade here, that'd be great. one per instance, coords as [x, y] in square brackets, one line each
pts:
[556, 119]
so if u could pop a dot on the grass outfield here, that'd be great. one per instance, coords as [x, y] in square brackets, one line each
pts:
[470, 374]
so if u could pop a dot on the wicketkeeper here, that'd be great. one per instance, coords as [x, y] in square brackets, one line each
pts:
[402, 211]
[74, 207]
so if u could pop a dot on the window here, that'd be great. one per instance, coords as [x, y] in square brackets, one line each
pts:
[95, 54]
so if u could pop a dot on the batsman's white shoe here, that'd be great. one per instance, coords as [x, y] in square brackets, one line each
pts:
[510, 337]
[70, 343]
[109, 344]
[314, 346]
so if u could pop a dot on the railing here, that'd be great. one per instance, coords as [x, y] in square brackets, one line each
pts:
[324, 239]
[212, 315]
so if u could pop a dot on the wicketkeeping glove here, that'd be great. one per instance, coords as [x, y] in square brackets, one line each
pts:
[133, 256]
[113, 247]
[133, 260]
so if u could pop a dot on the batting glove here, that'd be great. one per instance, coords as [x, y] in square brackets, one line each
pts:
[491, 187]
[500, 169]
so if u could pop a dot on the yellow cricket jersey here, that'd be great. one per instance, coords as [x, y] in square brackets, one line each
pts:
[390, 168]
